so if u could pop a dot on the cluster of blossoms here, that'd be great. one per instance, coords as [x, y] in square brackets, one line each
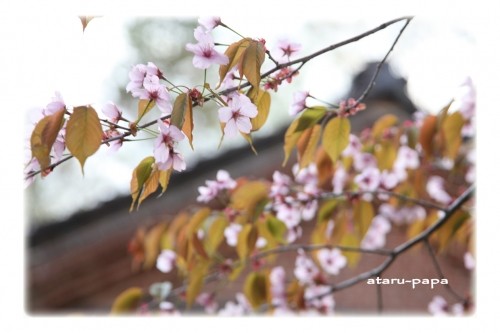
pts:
[439, 307]
[213, 188]
[236, 115]
[165, 154]
[283, 53]
[145, 84]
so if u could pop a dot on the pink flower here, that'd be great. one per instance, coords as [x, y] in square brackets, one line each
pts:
[375, 236]
[157, 93]
[363, 161]
[407, 158]
[112, 112]
[285, 49]
[354, 146]
[318, 297]
[204, 51]
[469, 261]
[288, 213]
[466, 99]
[435, 189]
[209, 22]
[231, 233]
[368, 180]
[305, 270]
[240, 308]
[207, 300]
[332, 261]
[278, 286]
[237, 115]
[113, 145]
[339, 179]
[299, 102]
[293, 234]
[438, 306]
[281, 184]
[166, 261]
[212, 188]
[55, 105]
[165, 155]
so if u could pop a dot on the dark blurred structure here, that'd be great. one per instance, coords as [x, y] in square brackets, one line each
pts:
[82, 264]
[388, 95]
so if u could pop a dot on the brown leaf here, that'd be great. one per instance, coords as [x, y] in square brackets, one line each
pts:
[252, 61]
[83, 133]
[307, 144]
[427, 132]
[44, 135]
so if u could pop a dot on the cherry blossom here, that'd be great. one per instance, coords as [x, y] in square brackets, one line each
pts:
[368, 180]
[209, 22]
[469, 261]
[112, 112]
[318, 297]
[305, 269]
[114, 145]
[438, 306]
[339, 179]
[166, 261]
[237, 115]
[407, 158]
[375, 236]
[168, 308]
[350, 107]
[281, 184]
[278, 286]
[164, 152]
[354, 146]
[158, 93]
[213, 187]
[435, 189]
[299, 102]
[231, 233]
[363, 161]
[204, 51]
[141, 73]
[285, 49]
[55, 105]
[331, 260]
[207, 300]
[240, 308]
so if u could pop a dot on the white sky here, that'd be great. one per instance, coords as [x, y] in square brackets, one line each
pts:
[35, 64]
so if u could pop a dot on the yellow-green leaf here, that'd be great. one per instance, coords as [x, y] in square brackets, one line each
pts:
[139, 176]
[276, 228]
[382, 123]
[127, 301]
[326, 210]
[83, 133]
[336, 137]
[256, 289]
[310, 117]
[195, 283]
[353, 257]
[363, 216]
[452, 129]
[44, 135]
[252, 61]
[196, 221]
[152, 242]
[182, 106]
[215, 234]
[246, 240]
[385, 154]
[249, 198]
[165, 179]
[262, 99]
[150, 186]
[450, 228]
[307, 144]
[291, 138]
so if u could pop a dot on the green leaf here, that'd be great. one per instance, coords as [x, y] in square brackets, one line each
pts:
[127, 301]
[310, 117]
[195, 283]
[256, 288]
[182, 106]
[276, 228]
[83, 133]
[150, 186]
[215, 234]
[44, 135]
[262, 99]
[139, 176]
[326, 210]
[336, 137]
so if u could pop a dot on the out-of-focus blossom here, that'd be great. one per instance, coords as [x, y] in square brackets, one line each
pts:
[207, 301]
[354, 146]
[293, 234]
[285, 49]
[204, 51]
[319, 298]
[350, 107]
[368, 179]
[305, 269]
[339, 179]
[376, 234]
[435, 188]
[278, 286]
[281, 184]
[168, 308]
[331, 260]
[237, 115]
[231, 233]
[299, 102]
[438, 306]
[213, 187]
[209, 22]
[160, 290]
[240, 308]
[469, 261]
[288, 213]
[466, 99]
[166, 261]
[407, 158]
[389, 179]
[363, 161]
